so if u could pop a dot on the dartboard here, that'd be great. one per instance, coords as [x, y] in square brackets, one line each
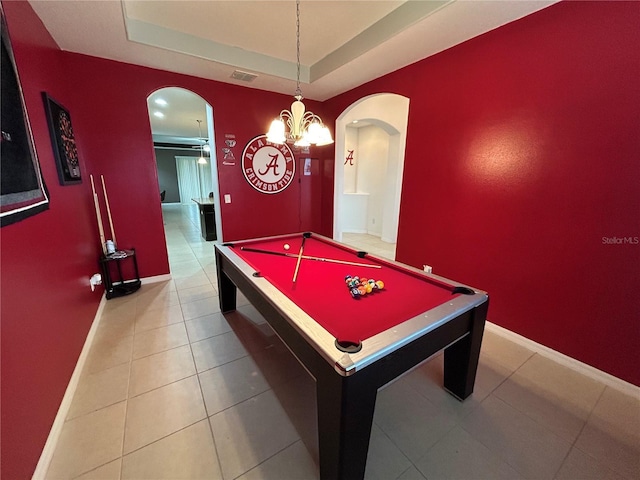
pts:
[69, 145]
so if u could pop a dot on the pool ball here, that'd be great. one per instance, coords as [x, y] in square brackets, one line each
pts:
[286, 246]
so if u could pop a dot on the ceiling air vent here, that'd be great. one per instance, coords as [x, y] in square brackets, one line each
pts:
[243, 76]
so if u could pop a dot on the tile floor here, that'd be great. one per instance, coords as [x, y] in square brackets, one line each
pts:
[174, 389]
[371, 244]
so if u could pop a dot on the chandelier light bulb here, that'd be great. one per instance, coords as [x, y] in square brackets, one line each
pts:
[313, 132]
[302, 142]
[276, 132]
[324, 137]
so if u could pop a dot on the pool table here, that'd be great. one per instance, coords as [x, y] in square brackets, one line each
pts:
[353, 345]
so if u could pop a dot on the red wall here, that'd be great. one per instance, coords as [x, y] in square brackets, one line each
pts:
[47, 306]
[114, 128]
[523, 151]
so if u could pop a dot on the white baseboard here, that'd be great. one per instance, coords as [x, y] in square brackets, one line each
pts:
[157, 278]
[54, 434]
[587, 370]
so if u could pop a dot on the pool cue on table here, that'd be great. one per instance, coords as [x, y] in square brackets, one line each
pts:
[307, 257]
[99, 216]
[106, 201]
[295, 274]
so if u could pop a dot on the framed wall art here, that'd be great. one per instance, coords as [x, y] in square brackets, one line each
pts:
[63, 141]
[23, 192]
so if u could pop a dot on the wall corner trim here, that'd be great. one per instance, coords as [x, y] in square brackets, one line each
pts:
[575, 365]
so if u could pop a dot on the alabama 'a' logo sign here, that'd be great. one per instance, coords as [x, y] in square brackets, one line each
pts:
[268, 167]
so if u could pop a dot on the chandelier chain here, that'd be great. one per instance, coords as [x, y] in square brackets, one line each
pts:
[298, 91]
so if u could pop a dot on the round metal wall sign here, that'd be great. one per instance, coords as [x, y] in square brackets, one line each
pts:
[268, 167]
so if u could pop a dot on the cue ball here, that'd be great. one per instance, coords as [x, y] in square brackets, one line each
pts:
[286, 246]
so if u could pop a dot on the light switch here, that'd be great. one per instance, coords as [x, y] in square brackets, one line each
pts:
[227, 198]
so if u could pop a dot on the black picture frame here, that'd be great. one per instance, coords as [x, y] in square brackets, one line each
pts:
[63, 141]
[23, 192]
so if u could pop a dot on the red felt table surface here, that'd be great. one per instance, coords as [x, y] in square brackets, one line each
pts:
[321, 291]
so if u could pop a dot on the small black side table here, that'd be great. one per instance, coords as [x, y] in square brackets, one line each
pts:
[120, 287]
[207, 218]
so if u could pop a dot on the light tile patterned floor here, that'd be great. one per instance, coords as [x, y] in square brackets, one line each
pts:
[174, 389]
[371, 244]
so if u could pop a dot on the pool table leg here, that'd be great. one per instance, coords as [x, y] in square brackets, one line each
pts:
[227, 292]
[461, 357]
[345, 418]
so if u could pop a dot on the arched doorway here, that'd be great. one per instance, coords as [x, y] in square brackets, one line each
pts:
[370, 145]
[182, 127]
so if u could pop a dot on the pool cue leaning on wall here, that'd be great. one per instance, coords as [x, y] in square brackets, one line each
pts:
[106, 201]
[99, 216]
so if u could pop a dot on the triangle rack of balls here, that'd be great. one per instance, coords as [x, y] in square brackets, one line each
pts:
[360, 287]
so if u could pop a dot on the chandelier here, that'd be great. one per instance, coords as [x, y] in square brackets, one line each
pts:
[305, 128]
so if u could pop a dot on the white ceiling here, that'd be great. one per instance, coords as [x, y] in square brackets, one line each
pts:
[343, 44]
